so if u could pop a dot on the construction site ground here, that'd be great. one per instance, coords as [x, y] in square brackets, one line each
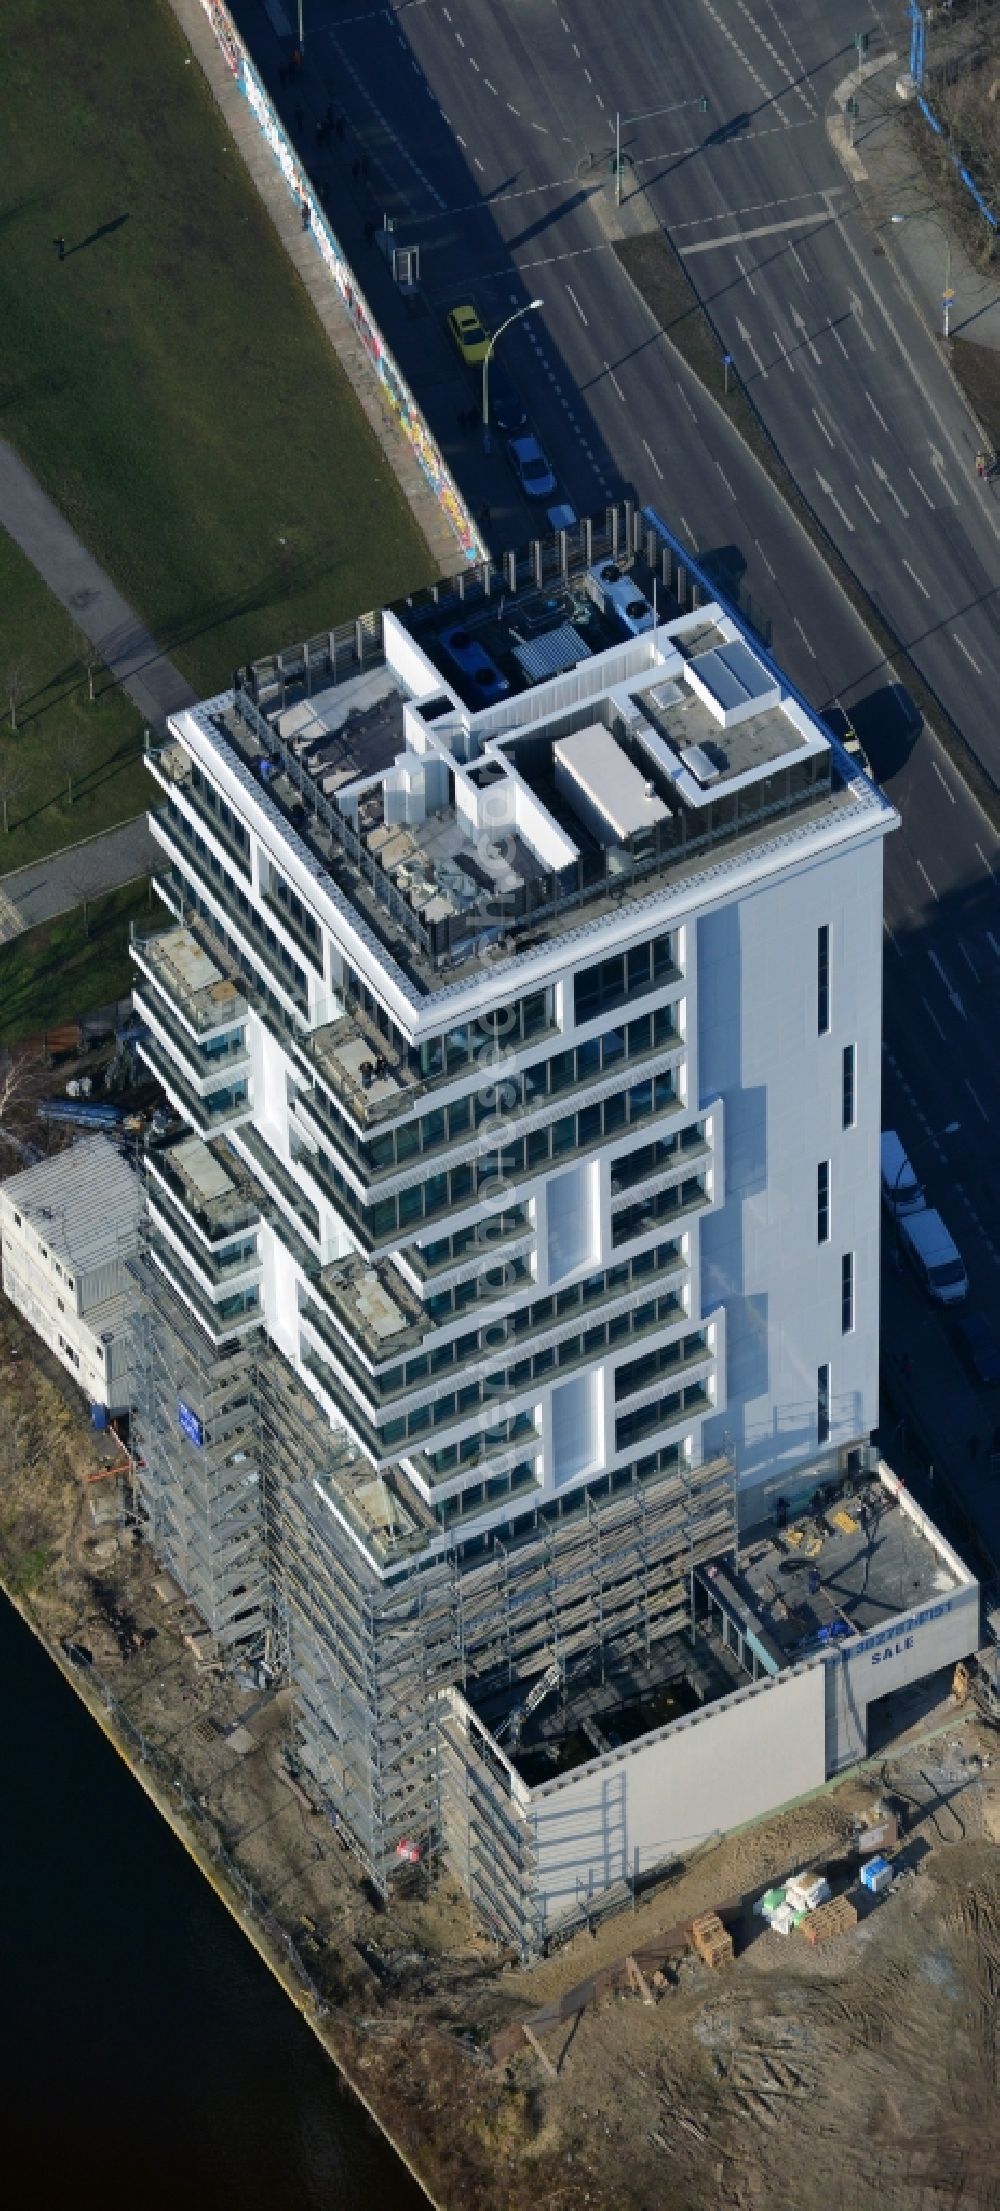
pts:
[863, 2073]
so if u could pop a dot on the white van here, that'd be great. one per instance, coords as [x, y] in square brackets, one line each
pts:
[901, 1192]
[934, 1256]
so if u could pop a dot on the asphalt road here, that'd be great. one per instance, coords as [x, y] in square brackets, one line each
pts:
[480, 121]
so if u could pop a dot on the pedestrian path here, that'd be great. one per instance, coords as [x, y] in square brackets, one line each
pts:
[65, 879]
[152, 682]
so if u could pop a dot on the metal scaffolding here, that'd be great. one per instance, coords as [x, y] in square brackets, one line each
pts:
[373, 1658]
[198, 1462]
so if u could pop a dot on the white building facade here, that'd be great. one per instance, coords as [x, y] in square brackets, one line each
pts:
[522, 1002]
[68, 1227]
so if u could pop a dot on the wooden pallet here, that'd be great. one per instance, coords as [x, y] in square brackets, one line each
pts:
[828, 1921]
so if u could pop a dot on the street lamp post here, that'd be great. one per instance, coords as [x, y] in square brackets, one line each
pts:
[647, 112]
[926, 215]
[532, 305]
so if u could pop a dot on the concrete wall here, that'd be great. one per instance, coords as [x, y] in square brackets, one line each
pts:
[936, 1633]
[701, 1776]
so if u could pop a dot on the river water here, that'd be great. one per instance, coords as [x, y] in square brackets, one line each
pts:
[148, 2057]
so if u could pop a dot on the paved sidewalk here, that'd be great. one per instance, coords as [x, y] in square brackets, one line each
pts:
[885, 166]
[53, 886]
[152, 682]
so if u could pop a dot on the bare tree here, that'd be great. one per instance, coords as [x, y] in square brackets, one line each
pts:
[14, 687]
[80, 886]
[65, 747]
[13, 774]
[89, 659]
[23, 1079]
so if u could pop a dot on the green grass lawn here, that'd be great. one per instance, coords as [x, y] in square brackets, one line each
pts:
[67, 967]
[64, 743]
[169, 382]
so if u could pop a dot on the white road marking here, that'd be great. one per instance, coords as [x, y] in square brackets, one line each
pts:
[835, 502]
[964, 649]
[867, 503]
[929, 884]
[921, 586]
[654, 460]
[765, 560]
[511, 109]
[929, 1010]
[969, 961]
[879, 417]
[891, 938]
[952, 992]
[976, 1101]
[803, 636]
[578, 307]
[614, 379]
[887, 483]
[922, 488]
[780, 343]
[759, 81]
[725, 480]
[761, 230]
[834, 333]
[943, 781]
[831, 441]
[800, 325]
[683, 395]
[741, 265]
[745, 339]
[688, 531]
[543, 127]
[995, 947]
[940, 467]
[799, 263]
[751, 207]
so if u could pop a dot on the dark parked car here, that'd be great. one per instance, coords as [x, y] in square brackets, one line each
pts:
[507, 410]
[980, 1348]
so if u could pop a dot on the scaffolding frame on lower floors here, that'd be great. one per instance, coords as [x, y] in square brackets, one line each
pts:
[198, 1462]
[372, 1658]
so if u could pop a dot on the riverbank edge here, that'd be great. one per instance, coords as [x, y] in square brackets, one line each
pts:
[255, 1935]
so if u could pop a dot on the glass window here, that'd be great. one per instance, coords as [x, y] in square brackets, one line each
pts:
[410, 1204]
[562, 1071]
[382, 1218]
[589, 1125]
[640, 1035]
[663, 958]
[458, 1117]
[435, 1195]
[588, 1060]
[461, 1185]
[823, 979]
[538, 1147]
[407, 1142]
[564, 1136]
[637, 969]
[823, 1404]
[823, 1202]
[613, 1045]
[614, 1110]
[849, 1099]
[847, 1293]
[432, 1129]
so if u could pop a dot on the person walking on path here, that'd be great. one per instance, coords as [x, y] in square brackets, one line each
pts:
[60, 246]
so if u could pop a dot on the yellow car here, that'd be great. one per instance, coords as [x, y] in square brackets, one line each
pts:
[467, 330]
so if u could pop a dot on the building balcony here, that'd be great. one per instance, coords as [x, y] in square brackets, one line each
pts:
[222, 1108]
[205, 1001]
[203, 1183]
[205, 1065]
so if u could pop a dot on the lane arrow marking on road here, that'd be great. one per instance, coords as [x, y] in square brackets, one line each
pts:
[886, 481]
[745, 339]
[953, 994]
[834, 501]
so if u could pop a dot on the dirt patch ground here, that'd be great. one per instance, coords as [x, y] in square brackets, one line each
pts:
[858, 2076]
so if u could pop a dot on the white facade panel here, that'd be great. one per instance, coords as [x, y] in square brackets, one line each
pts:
[782, 1083]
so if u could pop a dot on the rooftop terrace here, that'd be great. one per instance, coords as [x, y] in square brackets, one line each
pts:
[425, 758]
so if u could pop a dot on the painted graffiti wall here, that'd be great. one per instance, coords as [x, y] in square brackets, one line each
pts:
[397, 392]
